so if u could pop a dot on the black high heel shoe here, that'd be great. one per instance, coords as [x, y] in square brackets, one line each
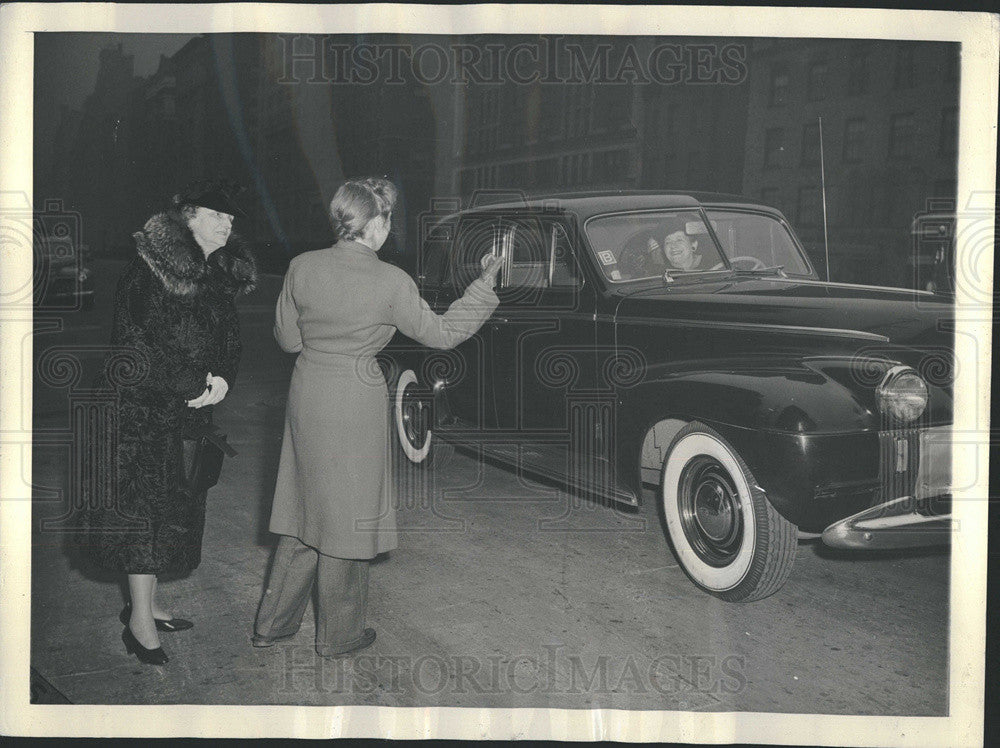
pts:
[149, 656]
[169, 625]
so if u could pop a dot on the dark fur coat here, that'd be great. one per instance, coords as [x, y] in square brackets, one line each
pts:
[175, 321]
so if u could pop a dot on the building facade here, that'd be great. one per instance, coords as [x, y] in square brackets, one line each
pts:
[888, 116]
[608, 123]
[290, 116]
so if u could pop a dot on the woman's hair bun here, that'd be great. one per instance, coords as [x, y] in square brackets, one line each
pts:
[358, 201]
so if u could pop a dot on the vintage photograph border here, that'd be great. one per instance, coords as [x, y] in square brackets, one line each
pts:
[978, 34]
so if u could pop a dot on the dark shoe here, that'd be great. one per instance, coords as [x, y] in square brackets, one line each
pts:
[173, 624]
[268, 641]
[365, 641]
[149, 656]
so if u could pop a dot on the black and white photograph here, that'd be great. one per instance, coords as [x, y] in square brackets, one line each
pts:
[491, 372]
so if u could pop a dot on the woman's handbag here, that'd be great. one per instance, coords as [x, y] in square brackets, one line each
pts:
[202, 451]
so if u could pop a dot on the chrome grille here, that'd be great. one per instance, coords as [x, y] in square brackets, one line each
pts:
[899, 459]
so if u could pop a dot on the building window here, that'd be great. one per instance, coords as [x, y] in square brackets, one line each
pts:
[668, 130]
[948, 139]
[613, 108]
[774, 146]
[578, 109]
[611, 166]
[857, 73]
[901, 135]
[810, 144]
[903, 71]
[576, 169]
[778, 92]
[854, 140]
[547, 172]
[484, 129]
[816, 81]
[810, 209]
[468, 180]
[552, 111]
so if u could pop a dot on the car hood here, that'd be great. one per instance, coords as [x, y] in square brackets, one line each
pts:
[903, 317]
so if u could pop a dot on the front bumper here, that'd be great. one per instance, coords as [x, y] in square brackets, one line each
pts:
[920, 518]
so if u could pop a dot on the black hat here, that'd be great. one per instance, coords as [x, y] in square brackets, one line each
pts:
[215, 194]
[674, 223]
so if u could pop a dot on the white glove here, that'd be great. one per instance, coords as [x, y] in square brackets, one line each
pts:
[216, 389]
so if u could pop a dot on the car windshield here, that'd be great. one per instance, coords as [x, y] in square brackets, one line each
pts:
[754, 241]
[637, 246]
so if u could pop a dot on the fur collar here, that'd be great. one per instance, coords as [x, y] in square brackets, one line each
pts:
[171, 252]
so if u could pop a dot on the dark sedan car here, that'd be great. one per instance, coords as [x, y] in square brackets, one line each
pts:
[61, 276]
[685, 341]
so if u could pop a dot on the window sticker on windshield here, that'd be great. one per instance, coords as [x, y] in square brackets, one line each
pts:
[616, 275]
[607, 258]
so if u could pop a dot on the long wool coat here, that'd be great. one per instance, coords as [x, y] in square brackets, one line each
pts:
[338, 308]
[175, 321]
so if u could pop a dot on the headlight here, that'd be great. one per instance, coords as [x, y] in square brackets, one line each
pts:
[902, 394]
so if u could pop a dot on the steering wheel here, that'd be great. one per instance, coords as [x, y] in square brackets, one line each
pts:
[632, 255]
[755, 262]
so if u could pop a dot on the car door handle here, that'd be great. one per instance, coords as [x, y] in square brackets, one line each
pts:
[499, 320]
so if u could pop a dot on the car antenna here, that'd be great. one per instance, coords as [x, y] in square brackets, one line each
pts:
[822, 179]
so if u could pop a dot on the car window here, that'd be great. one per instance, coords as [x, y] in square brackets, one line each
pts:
[529, 255]
[540, 256]
[434, 255]
[473, 239]
[756, 240]
[635, 246]
[564, 271]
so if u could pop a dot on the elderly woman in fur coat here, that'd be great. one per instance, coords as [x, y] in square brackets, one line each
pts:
[175, 315]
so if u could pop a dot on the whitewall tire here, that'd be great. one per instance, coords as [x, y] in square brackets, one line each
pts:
[728, 538]
[411, 415]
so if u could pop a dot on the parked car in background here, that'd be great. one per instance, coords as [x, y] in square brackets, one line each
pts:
[685, 342]
[933, 235]
[62, 276]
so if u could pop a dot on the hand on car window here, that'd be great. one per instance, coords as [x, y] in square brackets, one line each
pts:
[491, 266]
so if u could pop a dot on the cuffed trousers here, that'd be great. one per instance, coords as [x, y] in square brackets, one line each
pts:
[341, 599]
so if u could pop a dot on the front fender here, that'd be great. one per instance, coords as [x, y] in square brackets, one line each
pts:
[811, 440]
[787, 399]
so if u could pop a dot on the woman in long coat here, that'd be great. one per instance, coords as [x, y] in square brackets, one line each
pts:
[177, 337]
[332, 504]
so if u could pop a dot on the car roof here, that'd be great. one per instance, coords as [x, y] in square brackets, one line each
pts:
[586, 204]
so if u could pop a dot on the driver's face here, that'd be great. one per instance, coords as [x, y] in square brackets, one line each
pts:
[680, 250]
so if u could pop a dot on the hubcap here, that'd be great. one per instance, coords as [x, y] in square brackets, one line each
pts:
[416, 418]
[710, 511]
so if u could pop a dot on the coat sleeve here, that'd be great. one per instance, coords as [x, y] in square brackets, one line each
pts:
[413, 317]
[286, 318]
[231, 349]
[150, 322]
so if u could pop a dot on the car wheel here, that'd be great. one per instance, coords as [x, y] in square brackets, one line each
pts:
[728, 538]
[413, 416]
